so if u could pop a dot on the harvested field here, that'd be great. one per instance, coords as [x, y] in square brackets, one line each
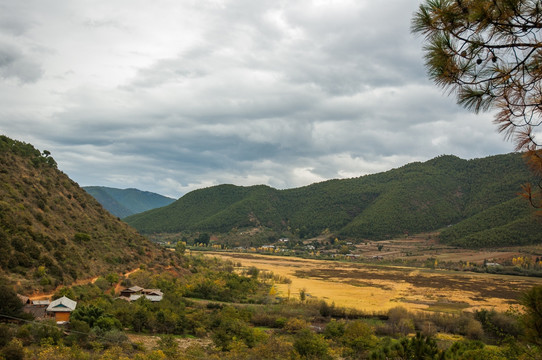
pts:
[377, 288]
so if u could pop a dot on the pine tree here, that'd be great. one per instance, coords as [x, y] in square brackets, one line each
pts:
[489, 53]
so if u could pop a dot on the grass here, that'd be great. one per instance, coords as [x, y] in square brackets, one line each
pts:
[446, 307]
[371, 288]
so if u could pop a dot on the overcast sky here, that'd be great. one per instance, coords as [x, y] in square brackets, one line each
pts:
[173, 95]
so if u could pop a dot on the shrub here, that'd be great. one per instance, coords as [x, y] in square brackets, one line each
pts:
[326, 309]
[294, 325]
[334, 329]
[498, 325]
[5, 335]
[13, 350]
[9, 302]
[46, 331]
[261, 318]
[311, 345]
[359, 336]
[474, 330]
[400, 320]
[81, 237]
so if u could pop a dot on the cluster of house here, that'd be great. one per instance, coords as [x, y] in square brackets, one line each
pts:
[60, 309]
[135, 292]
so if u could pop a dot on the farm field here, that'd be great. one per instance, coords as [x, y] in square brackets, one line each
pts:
[377, 288]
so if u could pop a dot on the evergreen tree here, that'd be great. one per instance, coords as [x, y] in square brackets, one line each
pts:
[10, 304]
[488, 53]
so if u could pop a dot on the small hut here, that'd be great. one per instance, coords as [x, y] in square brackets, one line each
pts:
[62, 308]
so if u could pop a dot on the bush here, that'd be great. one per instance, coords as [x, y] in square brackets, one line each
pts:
[280, 322]
[358, 336]
[417, 347]
[498, 326]
[13, 350]
[326, 310]
[262, 318]
[115, 338]
[273, 349]
[400, 320]
[46, 331]
[5, 335]
[10, 304]
[474, 330]
[532, 320]
[294, 325]
[102, 283]
[81, 237]
[310, 345]
[334, 329]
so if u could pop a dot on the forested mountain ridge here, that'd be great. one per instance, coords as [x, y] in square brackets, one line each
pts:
[51, 231]
[415, 198]
[126, 202]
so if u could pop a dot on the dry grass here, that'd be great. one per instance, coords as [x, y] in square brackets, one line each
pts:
[150, 342]
[376, 288]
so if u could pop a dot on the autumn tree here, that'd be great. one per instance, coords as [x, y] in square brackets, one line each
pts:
[489, 53]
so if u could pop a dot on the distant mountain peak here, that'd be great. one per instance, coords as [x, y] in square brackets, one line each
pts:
[126, 202]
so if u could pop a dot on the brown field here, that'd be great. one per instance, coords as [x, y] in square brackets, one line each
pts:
[377, 288]
[423, 246]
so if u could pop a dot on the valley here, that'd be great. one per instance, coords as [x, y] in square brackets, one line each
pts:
[375, 288]
[305, 282]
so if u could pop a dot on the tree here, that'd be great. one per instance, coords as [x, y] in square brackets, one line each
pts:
[89, 314]
[302, 294]
[488, 52]
[359, 337]
[311, 346]
[180, 247]
[415, 348]
[532, 319]
[112, 278]
[204, 239]
[10, 304]
[13, 350]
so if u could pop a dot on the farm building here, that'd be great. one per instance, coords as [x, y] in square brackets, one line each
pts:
[62, 308]
[134, 290]
[36, 307]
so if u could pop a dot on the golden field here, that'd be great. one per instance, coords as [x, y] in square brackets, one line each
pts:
[377, 288]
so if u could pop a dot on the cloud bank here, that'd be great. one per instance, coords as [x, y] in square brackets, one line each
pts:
[171, 96]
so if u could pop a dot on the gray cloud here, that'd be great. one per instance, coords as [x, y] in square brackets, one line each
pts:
[180, 95]
[15, 17]
[14, 64]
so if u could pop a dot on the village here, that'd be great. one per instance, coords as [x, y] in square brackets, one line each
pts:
[60, 309]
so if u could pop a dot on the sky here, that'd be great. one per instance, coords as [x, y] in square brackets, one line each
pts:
[170, 96]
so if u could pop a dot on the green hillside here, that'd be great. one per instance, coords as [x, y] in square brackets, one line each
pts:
[52, 232]
[126, 202]
[510, 223]
[415, 198]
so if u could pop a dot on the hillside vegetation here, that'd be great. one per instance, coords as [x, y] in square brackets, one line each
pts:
[126, 202]
[51, 231]
[445, 192]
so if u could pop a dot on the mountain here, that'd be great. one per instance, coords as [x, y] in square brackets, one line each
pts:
[418, 197]
[52, 232]
[126, 202]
